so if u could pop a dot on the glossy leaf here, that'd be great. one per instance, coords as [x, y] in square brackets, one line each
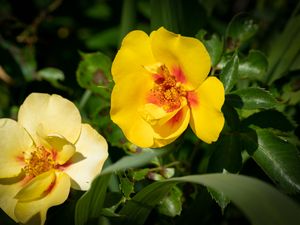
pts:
[231, 116]
[254, 66]
[133, 161]
[279, 159]
[214, 46]
[171, 205]
[221, 199]
[251, 98]
[261, 203]
[226, 155]
[229, 73]
[241, 28]
[269, 119]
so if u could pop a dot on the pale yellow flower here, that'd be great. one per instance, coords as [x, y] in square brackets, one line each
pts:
[43, 154]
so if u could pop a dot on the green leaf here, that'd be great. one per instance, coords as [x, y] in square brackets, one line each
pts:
[261, 203]
[279, 159]
[229, 74]
[139, 174]
[214, 46]
[136, 210]
[126, 186]
[254, 66]
[231, 116]
[227, 155]
[251, 98]
[171, 205]
[221, 199]
[53, 76]
[284, 49]
[139, 159]
[93, 73]
[91, 203]
[269, 119]
[241, 28]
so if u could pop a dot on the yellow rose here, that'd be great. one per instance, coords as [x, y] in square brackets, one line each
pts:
[161, 86]
[43, 154]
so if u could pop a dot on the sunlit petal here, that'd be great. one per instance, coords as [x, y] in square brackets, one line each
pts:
[55, 114]
[128, 96]
[88, 161]
[14, 142]
[57, 195]
[37, 188]
[64, 150]
[8, 189]
[185, 57]
[135, 53]
[207, 119]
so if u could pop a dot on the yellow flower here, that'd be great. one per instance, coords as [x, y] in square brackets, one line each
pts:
[45, 153]
[161, 86]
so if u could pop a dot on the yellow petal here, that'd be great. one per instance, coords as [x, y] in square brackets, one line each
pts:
[57, 195]
[207, 119]
[134, 54]
[64, 149]
[37, 188]
[156, 115]
[128, 96]
[174, 127]
[54, 113]
[185, 57]
[8, 189]
[86, 164]
[14, 142]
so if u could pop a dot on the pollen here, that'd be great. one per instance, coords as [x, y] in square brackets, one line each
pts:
[41, 160]
[167, 92]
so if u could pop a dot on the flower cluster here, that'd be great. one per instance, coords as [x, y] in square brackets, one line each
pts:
[161, 87]
[43, 154]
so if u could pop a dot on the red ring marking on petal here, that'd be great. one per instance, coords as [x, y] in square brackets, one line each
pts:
[178, 73]
[175, 119]
[192, 99]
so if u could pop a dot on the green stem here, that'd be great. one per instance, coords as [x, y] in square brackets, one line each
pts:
[128, 17]
[85, 97]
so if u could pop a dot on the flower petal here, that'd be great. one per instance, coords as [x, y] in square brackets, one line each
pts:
[93, 153]
[173, 128]
[37, 188]
[63, 148]
[185, 57]
[14, 142]
[128, 96]
[134, 54]
[207, 119]
[57, 195]
[8, 189]
[55, 114]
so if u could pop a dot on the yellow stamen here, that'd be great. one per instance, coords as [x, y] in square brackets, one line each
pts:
[41, 160]
[167, 92]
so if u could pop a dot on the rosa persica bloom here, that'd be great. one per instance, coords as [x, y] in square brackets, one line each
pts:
[162, 86]
[43, 154]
